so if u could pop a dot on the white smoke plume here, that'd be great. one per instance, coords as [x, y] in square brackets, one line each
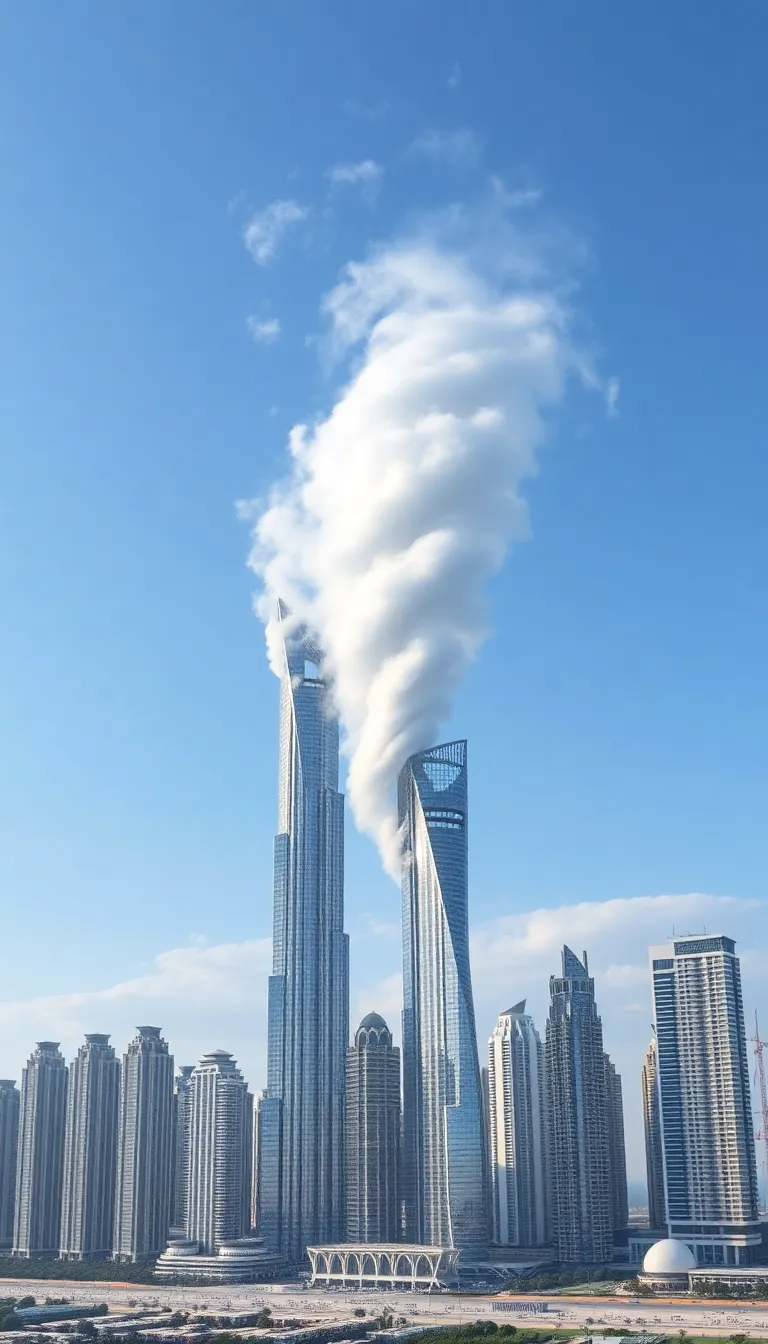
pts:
[403, 501]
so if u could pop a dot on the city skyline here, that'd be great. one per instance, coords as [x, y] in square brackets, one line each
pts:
[614, 701]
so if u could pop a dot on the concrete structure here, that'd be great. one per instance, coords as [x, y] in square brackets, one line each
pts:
[220, 1149]
[667, 1265]
[517, 1122]
[373, 1134]
[395, 1266]
[617, 1157]
[654, 1153]
[579, 1158]
[90, 1152]
[301, 1121]
[144, 1148]
[42, 1118]
[242, 1261]
[10, 1099]
[180, 1151]
[444, 1171]
[710, 1173]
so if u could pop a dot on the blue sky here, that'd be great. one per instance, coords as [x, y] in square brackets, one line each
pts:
[616, 716]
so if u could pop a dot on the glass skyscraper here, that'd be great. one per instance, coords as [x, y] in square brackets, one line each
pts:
[444, 1175]
[301, 1119]
[705, 1108]
[579, 1118]
[518, 1138]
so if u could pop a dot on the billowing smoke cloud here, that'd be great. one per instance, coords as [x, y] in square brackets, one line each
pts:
[404, 500]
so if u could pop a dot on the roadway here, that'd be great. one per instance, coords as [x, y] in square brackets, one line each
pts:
[654, 1315]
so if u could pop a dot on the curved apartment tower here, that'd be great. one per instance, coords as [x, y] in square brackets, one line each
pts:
[444, 1175]
[301, 1119]
[220, 1138]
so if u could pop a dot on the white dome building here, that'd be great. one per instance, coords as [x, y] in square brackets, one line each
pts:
[667, 1265]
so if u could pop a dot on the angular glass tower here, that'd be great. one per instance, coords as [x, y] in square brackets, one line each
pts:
[444, 1179]
[301, 1120]
[579, 1145]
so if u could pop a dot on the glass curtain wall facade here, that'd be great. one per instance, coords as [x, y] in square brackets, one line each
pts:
[517, 1104]
[579, 1154]
[708, 1146]
[444, 1171]
[10, 1100]
[654, 1156]
[301, 1119]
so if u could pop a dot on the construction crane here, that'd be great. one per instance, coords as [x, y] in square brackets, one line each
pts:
[762, 1133]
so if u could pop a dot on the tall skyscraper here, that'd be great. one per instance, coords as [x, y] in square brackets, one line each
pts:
[373, 1134]
[90, 1152]
[518, 1119]
[710, 1174]
[142, 1215]
[579, 1159]
[444, 1177]
[42, 1118]
[180, 1154]
[617, 1157]
[301, 1141]
[220, 1139]
[654, 1153]
[9, 1145]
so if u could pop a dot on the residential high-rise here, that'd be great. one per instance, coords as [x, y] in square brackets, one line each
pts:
[180, 1154]
[517, 1105]
[710, 1173]
[301, 1140]
[90, 1152]
[373, 1134]
[579, 1158]
[220, 1139]
[444, 1177]
[9, 1145]
[42, 1117]
[654, 1153]
[617, 1157]
[144, 1148]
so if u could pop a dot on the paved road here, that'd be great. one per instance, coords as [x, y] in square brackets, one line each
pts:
[289, 1300]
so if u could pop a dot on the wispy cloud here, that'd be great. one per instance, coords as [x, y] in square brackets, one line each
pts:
[265, 331]
[612, 389]
[459, 146]
[265, 230]
[366, 174]
[455, 77]
[519, 198]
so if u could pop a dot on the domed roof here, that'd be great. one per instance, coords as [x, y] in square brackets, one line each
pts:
[669, 1257]
[373, 1020]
